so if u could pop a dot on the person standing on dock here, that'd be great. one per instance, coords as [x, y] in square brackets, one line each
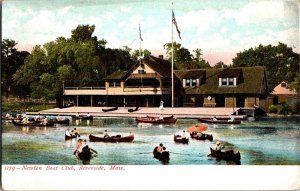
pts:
[161, 106]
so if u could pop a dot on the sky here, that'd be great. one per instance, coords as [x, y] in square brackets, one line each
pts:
[220, 28]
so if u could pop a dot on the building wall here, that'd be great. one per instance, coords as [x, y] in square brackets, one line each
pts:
[251, 101]
[230, 102]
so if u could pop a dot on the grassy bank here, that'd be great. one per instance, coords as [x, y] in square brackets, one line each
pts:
[25, 107]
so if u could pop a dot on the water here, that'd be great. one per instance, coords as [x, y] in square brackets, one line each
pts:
[261, 141]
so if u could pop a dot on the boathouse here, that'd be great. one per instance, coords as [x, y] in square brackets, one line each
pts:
[148, 83]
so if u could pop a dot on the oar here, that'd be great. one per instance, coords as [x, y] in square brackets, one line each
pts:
[146, 153]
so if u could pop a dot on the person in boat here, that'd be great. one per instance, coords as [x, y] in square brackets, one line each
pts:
[219, 146]
[75, 132]
[77, 114]
[78, 146]
[199, 134]
[68, 133]
[45, 121]
[183, 134]
[25, 120]
[231, 119]
[7, 115]
[215, 118]
[160, 148]
[88, 115]
[106, 134]
[164, 149]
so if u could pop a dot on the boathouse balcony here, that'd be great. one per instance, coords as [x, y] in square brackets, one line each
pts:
[84, 91]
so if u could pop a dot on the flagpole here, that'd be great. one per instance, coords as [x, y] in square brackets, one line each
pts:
[172, 62]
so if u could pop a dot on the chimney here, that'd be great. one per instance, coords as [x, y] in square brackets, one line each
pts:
[161, 56]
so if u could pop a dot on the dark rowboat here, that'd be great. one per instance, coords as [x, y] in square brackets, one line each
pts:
[219, 121]
[179, 139]
[150, 119]
[226, 155]
[62, 121]
[110, 109]
[133, 110]
[202, 137]
[86, 154]
[164, 156]
[83, 117]
[112, 139]
[35, 124]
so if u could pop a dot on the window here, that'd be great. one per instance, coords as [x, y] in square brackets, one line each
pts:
[117, 84]
[111, 84]
[114, 84]
[142, 72]
[230, 81]
[194, 82]
[187, 83]
[224, 81]
[227, 82]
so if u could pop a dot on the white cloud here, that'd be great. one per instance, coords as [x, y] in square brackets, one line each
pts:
[109, 16]
[257, 12]
[64, 10]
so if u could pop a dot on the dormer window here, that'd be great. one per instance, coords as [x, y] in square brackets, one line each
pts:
[190, 82]
[187, 83]
[227, 82]
[194, 82]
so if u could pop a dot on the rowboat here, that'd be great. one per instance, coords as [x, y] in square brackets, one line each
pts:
[83, 117]
[61, 121]
[226, 155]
[133, 110]
[35, 124]
[154, 119]
[164, 156]
[179, 139]
[112, 139]
[219, 121]
[204, 136]
[110, 109]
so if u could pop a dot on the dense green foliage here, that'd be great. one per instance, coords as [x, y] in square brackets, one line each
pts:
[281, 62]
[79, 61]
[11, 60]
[183, 59]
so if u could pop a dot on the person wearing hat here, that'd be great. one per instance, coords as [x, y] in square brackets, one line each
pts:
[160, 148]
[219, 147]
[106, 134]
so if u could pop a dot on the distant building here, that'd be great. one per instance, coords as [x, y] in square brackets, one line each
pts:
[282, 94]
[149, 81]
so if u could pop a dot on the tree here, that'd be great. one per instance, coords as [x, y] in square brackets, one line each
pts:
[11, 60]
[282, 64]
[182, 56]
[137, 53]
[220, 64]
[79, 61]
[199, 61]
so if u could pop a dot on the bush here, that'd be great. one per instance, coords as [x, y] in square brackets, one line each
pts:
[272, 109]
[285, 109]
[295, 107]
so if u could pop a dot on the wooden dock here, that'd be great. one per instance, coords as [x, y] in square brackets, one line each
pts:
[178, 112]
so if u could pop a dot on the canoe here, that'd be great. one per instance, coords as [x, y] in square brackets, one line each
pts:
[179, 139]
[35, 124]
[86, 154]
[150, 119]
[226, 155]
[219, 121]
[203, 137]
[133, 110]
[112, 139]
[164, 156]
[61, 121]
[110, 109]
[83, 117]
[10, 118]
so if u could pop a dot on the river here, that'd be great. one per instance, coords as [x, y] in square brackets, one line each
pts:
[260, 141]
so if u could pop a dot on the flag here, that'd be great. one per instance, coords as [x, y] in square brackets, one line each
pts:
[175, 23]
[140, 33]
